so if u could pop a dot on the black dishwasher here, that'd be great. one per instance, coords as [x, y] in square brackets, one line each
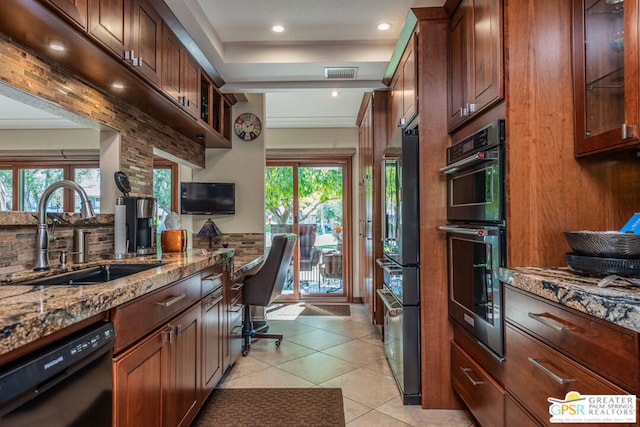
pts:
[68, 383]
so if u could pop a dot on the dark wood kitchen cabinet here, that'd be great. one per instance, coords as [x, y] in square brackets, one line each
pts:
[213, 325]
[162, 366]
[158, 350]
[233, 306]
[180, 73]
[131, 32]
[143, 367]
[74, 10]
[551, 350]
[483, 396]
[404, 88]
[146, 43]
[110, 24]
[476, 69]
[373, 125]
[606, 80]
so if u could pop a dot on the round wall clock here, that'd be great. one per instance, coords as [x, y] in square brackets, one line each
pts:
[247, 126]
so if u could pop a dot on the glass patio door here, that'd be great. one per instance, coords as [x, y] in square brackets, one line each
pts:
[308, 199]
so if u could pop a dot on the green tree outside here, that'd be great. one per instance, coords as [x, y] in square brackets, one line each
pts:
[319, 189]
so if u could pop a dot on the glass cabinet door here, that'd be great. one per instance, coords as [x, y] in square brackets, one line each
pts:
[601, 80]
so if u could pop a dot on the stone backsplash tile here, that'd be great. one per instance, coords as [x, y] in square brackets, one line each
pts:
[243, 244]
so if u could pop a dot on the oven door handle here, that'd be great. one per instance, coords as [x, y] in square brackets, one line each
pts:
[393, 311]
[478, 232]
[479, 157]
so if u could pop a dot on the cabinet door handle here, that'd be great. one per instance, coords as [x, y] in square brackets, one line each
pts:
[466, 371]
[169, 302]
[548, 322]
[538, 364]
[237, 286]
[167, 335]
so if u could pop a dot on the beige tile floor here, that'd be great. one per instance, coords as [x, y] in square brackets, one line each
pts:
[331, 351]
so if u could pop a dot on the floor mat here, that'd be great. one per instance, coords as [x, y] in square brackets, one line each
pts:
[305, 309]
[265, 407]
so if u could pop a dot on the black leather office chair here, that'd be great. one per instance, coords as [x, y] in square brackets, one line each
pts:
[266, 284]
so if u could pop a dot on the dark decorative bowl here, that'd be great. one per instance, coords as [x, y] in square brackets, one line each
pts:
[605, 244]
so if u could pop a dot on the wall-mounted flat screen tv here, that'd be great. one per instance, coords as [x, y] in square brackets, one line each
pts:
[207, 198]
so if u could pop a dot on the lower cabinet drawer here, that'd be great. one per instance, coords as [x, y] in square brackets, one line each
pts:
[607, 349]
[535, 372]
[137, 318]
[514, 415]
[235, 335]
[483, 397]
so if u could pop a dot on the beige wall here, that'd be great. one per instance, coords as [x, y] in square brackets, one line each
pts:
[243, 165]
[50, 139]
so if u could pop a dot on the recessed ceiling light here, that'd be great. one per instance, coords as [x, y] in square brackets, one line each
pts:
[57, 46]
[277, 28]
[118, 85]
[384, 26]
[334, 93]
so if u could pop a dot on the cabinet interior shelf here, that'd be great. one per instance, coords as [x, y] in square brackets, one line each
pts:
[618, 8]
[611, 80]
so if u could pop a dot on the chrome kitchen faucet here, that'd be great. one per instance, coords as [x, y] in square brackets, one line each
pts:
[42, 235]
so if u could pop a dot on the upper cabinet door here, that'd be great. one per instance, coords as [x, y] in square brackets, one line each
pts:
[172, 65]
[146, 44]
[476, 80]
[74, 10]
[606, 76]
[109, 23]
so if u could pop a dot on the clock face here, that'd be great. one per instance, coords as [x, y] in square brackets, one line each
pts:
[247, 126]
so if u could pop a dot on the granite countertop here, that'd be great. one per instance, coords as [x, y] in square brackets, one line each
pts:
[617, 303]
[31, 312]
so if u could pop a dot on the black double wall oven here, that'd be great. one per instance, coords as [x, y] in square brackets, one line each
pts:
[476, 233]
[401, 264]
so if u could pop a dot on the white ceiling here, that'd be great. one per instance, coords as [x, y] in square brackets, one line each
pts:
[288, 67]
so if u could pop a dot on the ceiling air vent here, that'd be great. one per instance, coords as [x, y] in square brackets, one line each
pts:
[340, 72]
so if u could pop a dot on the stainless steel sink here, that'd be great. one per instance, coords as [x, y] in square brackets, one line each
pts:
[92, 275]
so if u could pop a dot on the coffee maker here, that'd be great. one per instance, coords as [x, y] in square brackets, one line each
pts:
[141, 224]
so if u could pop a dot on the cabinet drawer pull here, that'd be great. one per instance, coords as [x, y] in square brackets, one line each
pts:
[548, 322]
[171, 301]
[213, 301]
[214, 279]
[235, 310]
[554, 376]
[237, 286]
[466, 371]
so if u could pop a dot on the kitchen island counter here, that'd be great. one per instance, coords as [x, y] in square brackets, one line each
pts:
[30, 312]
[619, 303]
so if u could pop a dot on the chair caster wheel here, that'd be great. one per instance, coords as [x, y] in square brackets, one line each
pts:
[278, 343]
[245, 353]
